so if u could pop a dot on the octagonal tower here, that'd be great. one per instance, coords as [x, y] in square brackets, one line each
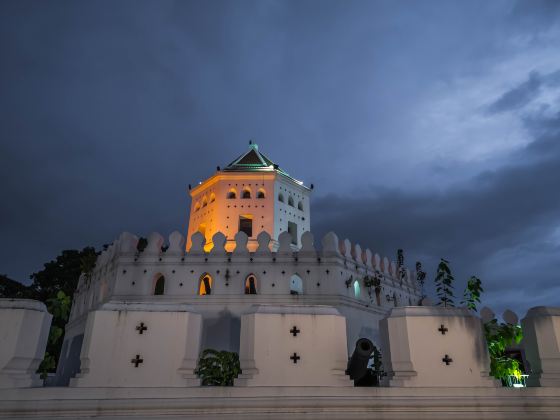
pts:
[252, 194]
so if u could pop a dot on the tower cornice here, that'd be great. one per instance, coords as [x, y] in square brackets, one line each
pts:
[238, 175]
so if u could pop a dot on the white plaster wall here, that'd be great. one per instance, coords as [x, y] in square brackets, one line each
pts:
[267, 345]
[273, 286]
[321, 275]
[284, 213]
[541, 339]
[130, 277]
[413, 348]
[24, 330]
[169, 347]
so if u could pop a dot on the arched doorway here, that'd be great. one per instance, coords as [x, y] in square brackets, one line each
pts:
[205, 285]
[159, 284]
[357, 291]
[251, 285]
[296, 285]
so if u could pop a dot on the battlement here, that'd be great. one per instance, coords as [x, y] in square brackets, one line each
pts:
[332, 247]
[339, 270]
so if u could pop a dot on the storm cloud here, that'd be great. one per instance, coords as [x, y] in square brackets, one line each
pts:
[430, 126]
[501, 225]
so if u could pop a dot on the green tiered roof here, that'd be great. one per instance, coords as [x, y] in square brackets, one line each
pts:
[253, 161]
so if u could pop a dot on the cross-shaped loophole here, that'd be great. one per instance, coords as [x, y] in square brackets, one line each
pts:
[295, 331]
[136, 361]
[295, 357]
[447, 360]
[442, 329]
[141, 328]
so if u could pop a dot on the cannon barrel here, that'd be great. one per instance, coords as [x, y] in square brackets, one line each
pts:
[357, 364]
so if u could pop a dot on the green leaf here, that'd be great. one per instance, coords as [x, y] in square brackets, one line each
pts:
[498, 338]
[444, 284]
[218, 368]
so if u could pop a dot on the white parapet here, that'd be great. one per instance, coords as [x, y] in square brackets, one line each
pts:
[293, 345]
[140, 345]
[24, 331]
[541, 338]
[433, 346]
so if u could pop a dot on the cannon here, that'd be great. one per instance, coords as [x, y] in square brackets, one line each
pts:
[357, 367]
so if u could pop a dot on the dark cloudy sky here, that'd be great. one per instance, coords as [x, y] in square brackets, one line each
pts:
[429, 126]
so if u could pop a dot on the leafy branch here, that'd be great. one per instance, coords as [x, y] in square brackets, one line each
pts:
[498, 338]
[420, 278]
[218, 368]
[444, 284]
[400, 265]
[59, 306]
[471, 295]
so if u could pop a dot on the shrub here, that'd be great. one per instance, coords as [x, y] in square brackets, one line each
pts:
[218, 368]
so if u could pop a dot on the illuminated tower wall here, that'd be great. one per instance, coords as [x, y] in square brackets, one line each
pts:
[251, 194]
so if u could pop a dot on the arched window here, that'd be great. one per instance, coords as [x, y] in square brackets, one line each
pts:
[159, 284]
[231, 194]
[281, 197]
[246, 193]
[205, 285]
[300, 205]
[296, 285]
[356, 289]
[290, 201]
[260, 193]
[212, 197]
[378, 296]
[204, 201]
[251, 285]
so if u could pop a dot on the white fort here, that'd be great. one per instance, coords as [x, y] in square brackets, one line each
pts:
[249, 277]
[249, 243]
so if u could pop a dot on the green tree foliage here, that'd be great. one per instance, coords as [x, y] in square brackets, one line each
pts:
[142, 244]
[400, 265]
[61, 274]
[444, 284]
[59, 306]
[420, 278]
[218, 368]
[54, 285]
[500, 336]
[377, 365]
[471, 295]
[14, 289]
[87, 263]
[373, 281]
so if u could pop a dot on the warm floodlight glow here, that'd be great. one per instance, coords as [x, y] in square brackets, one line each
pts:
[205, 287]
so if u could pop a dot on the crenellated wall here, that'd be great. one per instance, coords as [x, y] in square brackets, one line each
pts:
[333, 271]
[334, 275]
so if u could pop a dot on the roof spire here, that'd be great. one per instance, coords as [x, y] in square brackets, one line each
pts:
[253, 146]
